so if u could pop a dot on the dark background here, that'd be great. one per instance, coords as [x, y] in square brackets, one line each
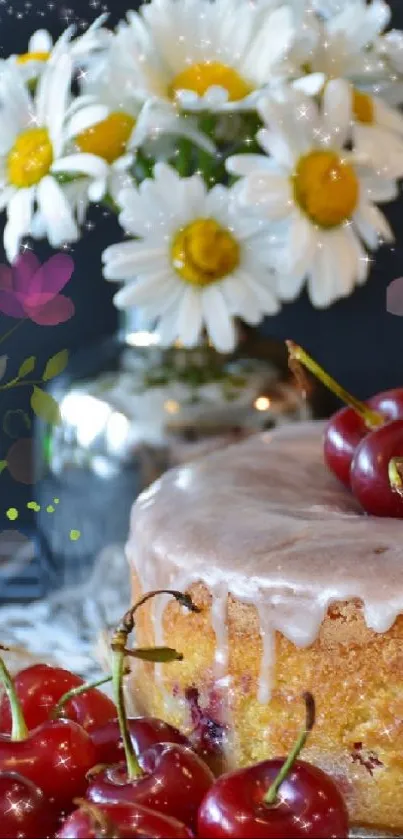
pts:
[356, 339]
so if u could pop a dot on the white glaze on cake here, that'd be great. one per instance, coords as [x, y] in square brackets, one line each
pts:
[267, 522]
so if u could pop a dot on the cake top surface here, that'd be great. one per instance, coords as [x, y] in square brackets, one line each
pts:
[268, 521]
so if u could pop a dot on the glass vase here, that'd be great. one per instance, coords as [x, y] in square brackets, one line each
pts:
[130, 410]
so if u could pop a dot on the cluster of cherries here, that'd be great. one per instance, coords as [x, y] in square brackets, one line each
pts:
[73, 766]
[363, 443]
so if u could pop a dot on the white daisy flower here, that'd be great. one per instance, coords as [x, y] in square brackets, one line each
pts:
[321, 203]
[342, 45]
[197, 262]
[130, 123]
[34, 132]
[40, 47]
[375, 127]
[203, 55]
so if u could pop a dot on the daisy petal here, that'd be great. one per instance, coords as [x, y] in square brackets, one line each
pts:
[41, 41]
[190, 317]
[56, 213]
[248, 164]
[81, 164]
[84, 119]
[270, 193]
[220, 325]
[322, 279]
[372, 226]
[337, 108]
[19, 219]
[141, 291]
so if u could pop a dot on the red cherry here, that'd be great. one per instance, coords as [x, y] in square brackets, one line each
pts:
[124, 820]
[347, 429]
[276, 799]
[144, 732]
[174, 782]
[39, 689]
[349, 426]
[56, 756]
[375, 484]
[310, 805]
[25, 812]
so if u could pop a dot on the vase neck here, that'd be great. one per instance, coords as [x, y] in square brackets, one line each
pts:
[135, 331]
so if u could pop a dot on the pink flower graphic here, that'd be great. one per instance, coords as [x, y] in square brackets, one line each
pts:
[31, 290]
[394, 297]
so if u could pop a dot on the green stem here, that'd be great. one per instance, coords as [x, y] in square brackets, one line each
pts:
[118, 666]
[12, 330]
[20, 383]
[271, 796]
[395, 473]
[119, 653]
[206, 161]
[19, 730]
[297, 355]
[184, 157]
[78, 691]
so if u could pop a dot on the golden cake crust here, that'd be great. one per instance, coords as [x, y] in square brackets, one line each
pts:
[355, 674]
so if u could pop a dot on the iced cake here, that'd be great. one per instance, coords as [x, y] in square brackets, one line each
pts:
[298, 591]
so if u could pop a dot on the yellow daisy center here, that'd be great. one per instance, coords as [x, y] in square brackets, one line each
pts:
[200, 77]
[326, 188]
[363, 107]
[108, 139]
[30, 158]
[204, 252]
[32, 56]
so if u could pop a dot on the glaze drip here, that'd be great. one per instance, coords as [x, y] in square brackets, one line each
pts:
[267, 523]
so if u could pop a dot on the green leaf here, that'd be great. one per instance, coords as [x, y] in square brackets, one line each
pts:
[45, 407]
[3, 465]
[56, 365]
[3, 365]
[27, 367]
[161, 655]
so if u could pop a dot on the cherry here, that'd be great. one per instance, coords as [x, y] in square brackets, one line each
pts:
[172, 780]
[247, 805]
[144, 732]
[167, 777]
[25, 812]
[56, 756]
[122, 821]
[39, 689]
[376, 471]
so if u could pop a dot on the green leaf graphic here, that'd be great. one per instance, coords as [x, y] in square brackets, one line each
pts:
[56, 365]
[45, 407]
[16, 423]
[27, 367]
[3, 465]
[3, 365]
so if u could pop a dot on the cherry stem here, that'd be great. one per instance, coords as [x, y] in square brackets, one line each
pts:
[271, 796]
[102, 824]
[78, 691]
[297, 356]
[19, 730]
[395, 472]
[119, 651]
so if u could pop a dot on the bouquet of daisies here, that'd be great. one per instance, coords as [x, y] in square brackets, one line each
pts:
[246, 146]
